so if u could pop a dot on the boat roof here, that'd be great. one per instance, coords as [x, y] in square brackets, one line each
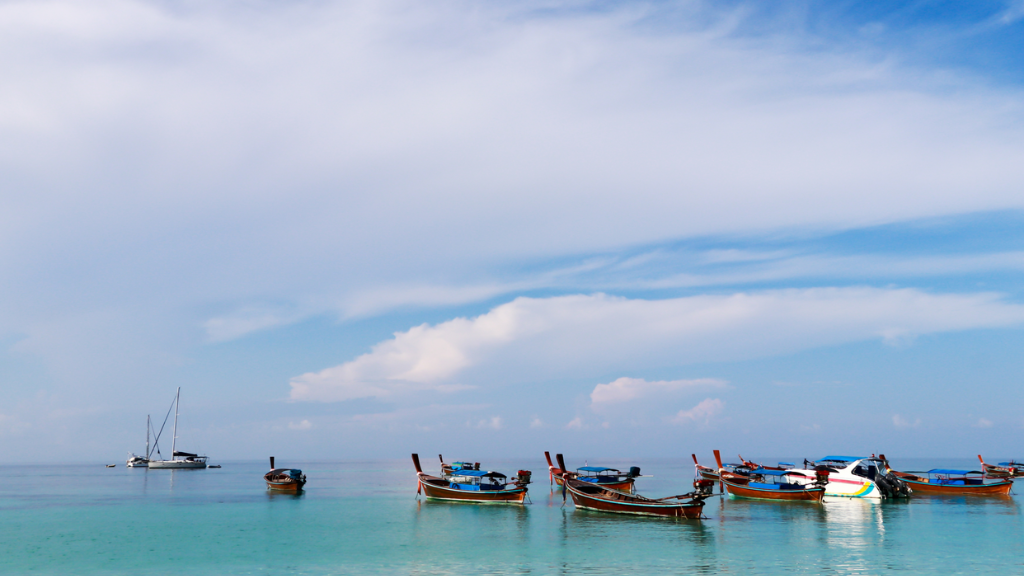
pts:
[598, 469]
[478, 473]
[843, 458]
[286, 470]
[949, 471]
[767, 472]
[1010, 463]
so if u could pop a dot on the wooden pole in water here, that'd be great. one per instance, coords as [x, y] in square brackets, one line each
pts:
[271, 462]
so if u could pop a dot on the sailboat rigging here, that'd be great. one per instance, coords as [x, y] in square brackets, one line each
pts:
[178, 459]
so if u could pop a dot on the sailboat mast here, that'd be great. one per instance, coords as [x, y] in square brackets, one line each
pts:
[174, 435]
[147, 436]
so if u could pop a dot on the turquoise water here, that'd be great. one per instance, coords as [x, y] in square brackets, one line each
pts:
[364, 518]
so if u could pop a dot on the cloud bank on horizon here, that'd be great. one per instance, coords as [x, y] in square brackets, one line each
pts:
[608, 198]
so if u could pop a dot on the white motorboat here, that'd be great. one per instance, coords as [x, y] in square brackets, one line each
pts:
[135, 461]
[178, 460]
[856, 477]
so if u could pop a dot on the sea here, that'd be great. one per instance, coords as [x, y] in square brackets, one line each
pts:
[364, 517]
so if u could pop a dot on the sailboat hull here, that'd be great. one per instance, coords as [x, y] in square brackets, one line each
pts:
[175, 464]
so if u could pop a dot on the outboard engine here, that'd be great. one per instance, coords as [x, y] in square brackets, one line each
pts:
[900, 489]
[634, 472]
[820, 476]
[704, 487]
[884, 486]
[523, 478]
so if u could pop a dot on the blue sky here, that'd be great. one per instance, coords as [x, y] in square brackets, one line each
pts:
[350, 229]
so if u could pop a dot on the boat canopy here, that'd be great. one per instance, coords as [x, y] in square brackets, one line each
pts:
[948, 471]
[1010, 463]
[478, 473]
[186, 454]
[765, 472]
[597, 469]
[842, 458]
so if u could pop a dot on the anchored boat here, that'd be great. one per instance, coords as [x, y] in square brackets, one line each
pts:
[611, 478]
[472, 485]
[595, 497]
[1010, 469]
[955, 482]
[284, 479]
[178, 460]
[855, 477]
[773, 483]
[135, 461]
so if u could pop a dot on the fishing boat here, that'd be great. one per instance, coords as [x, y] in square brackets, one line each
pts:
[135, 461]
[612, 478]
[773, 483]
[447, 470]
[854, 477]
[955, 482]
[742, 469]
[705, 472]
[471, 485]
[179, 460]
[591, 496]
[284, 479]
[1010, 469]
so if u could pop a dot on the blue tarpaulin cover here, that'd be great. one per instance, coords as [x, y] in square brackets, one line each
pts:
[842, 458]
[959, 472]
[477, 473]
[596, 469]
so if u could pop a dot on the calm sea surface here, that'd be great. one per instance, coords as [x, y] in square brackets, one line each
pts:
[364, 518]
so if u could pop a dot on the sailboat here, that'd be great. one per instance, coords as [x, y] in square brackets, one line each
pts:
[135, 461]
[187, 459]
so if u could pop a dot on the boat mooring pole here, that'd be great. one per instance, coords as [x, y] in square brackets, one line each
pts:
[271, 462]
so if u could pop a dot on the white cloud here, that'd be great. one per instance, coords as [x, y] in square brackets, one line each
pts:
[701, 413]
[493, 423]
[532, 338]
[536, 422]
[301, 425]
[983, 423]
[625, 389]
[901, 422]
[574, 424]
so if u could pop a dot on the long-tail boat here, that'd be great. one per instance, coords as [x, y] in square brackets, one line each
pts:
[954, 482]
[284, 479]
[705, 472]
[471, 485]
[606, 477]
[755, 484]
[595, 497]
[1009, 469]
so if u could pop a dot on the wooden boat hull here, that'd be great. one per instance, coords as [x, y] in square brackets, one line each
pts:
[993, 489]
[436, 492]
[754, 492]
[624, 486]
[621, 503]
[285, 486]
[708, 475]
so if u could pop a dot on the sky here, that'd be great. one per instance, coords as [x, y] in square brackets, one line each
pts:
[359, 229]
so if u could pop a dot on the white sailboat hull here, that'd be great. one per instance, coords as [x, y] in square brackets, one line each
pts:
[175, 464]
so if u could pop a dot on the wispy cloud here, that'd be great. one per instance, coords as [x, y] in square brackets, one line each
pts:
[901, 422]
[983, 423]
[625, 389]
